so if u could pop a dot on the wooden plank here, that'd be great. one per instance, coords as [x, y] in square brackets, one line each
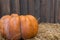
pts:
[43, 11]
[5, 7]
[37, 9]
[23, 7]
[0, 8]
[31, 7]
[47, 14]
[52, 11]
[15, 6]
[47, 10]
[57, 11]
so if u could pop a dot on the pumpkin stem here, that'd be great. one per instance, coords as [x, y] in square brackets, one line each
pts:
[38, 18]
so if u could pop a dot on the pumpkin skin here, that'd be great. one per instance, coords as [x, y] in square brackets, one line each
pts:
[29, 26]
[10, 26]
[14, 26]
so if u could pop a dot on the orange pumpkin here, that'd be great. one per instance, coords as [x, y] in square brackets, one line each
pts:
[14, 26]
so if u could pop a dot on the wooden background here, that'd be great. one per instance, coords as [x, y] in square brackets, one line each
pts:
[43, 10]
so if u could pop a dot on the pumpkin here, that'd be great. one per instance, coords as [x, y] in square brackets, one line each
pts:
[14, 26]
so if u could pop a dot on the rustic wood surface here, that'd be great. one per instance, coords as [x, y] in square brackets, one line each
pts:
[46, 10]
